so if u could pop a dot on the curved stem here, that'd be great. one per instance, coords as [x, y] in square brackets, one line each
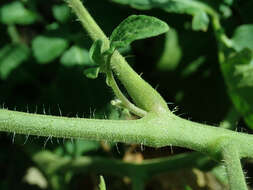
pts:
[124, 101]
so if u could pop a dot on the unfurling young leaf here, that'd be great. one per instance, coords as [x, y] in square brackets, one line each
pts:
[136, 27]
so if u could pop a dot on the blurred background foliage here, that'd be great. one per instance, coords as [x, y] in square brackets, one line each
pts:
[43, 56]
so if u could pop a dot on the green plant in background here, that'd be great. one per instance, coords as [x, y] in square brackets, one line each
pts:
[156, 125]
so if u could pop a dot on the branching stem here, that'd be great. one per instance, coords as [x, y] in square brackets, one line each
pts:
[151, 131]
[143, 95]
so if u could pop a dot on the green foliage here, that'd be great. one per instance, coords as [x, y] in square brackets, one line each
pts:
[191, 7]
[92, 72]
[46, 49]
[16, 13]
[97, 59]
[200, 21]
[238, 73]
[136, 27]
[171, 53]
[243, 37]
[11, 56]
[61, 13]
[75, 55]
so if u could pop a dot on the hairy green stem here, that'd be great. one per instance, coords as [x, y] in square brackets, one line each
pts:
[151, 131]
[232, 162]
[143, 95]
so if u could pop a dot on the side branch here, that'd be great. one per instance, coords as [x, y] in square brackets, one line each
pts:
[234, 169]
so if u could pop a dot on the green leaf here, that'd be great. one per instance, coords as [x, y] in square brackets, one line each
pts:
[75, 56]
[238, 74]
[200, 21]
[11, 56]
[61, 12]
[97, 59]
[95, 52]
[102, 184]
[192, 7]
[46, 49]
[172, 52]
[16, 13]
[243, 37]
[225, 11]
[91, 73]
[136, 27]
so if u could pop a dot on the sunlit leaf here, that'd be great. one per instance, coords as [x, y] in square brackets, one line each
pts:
[137, 27]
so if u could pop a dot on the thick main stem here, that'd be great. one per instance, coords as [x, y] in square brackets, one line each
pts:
[151, 131]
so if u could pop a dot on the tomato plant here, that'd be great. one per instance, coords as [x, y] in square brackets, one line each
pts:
[137, 113]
